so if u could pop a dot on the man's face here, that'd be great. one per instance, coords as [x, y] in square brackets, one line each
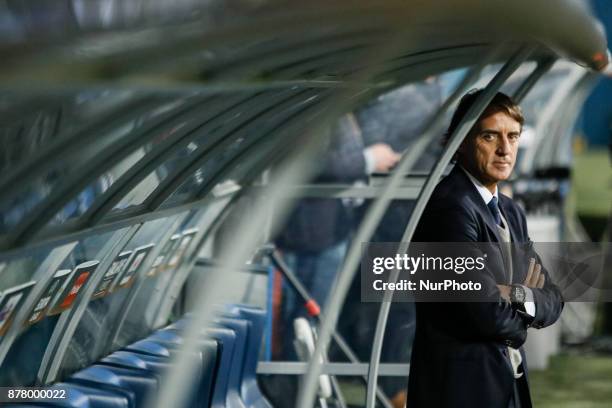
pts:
[489, 153]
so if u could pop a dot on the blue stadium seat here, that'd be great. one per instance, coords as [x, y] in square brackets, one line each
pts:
[250, 391]
[138, 384]
[250, 394]
[149, 347]
[205, 374]
[226, 339]
[156, 365]
[241, 328]
[226, 376]
[137, 360]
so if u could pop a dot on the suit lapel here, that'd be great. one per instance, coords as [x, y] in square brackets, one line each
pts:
[518, 267]
[478, 202]
[504, 205]
[465, 184]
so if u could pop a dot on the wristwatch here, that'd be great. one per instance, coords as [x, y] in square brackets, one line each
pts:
[517, 294]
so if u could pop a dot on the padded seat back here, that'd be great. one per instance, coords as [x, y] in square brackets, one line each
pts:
[205, 369]
[139, 384]
[250, 391]
[226, 339]
[240, 328]
[128, 359]
[158, 366]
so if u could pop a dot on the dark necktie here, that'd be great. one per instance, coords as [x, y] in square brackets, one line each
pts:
[494, 208]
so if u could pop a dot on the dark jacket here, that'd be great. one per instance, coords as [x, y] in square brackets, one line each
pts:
[316, 224]
[459, 356]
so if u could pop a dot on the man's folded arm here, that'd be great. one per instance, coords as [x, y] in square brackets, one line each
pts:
[548, 300]
[493, 319]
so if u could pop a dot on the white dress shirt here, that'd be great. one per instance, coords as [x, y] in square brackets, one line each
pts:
[486, 195]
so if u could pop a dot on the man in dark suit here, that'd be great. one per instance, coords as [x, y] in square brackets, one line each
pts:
[468, 354]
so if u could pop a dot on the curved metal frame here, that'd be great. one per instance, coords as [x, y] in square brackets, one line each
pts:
[558, 98]
[571, 111]
[282, 128]
[540, 70]
[378, 208]
[147, 164]
[398, 65]
[294, 172]
[214, 123]
[211, 294]
[558, 123]
[27, 230]
[292, 52]
[71, 227]
[203, 153]
[252, 173]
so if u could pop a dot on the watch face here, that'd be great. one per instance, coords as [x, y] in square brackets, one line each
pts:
[519, 294]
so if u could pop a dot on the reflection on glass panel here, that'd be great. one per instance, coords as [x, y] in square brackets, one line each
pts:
[18, 271]
[92, 338]
[16, 210]
[152, 181]
[23, 359]
[29, 124]
[25, 355]
[79, 205]
[222, 165]
[200, 177]
[517, 77]
[15, 284]
[42, 20]
[208, 132]
[13, 212]
[512, 84]
[534, 104]
[141, 315]
[188, 126]
[541, 93]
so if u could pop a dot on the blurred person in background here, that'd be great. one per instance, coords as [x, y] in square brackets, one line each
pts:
[397, 118]
[315, 237]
